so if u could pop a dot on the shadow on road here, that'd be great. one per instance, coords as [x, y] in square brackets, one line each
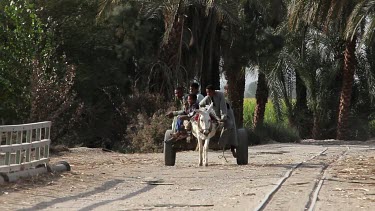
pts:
[106, 186]
[143, 190]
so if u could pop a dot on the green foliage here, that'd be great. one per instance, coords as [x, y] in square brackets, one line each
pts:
[248, 108]
[21, 33]
[58, 63]
[272, 130]
[94, 101]
[362, 107]
[372, 128]
[269, 115]
[137, 42]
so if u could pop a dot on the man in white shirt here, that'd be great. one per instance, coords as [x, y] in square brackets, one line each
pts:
[225, 113]
[217, 98]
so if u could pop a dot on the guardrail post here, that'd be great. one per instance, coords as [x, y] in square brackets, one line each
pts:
[28, 140]
[37, 138]
[18, 152]
[7, 154]
[46, 136]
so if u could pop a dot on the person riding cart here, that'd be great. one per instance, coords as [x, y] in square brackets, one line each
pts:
[225, 114]
[183, 118]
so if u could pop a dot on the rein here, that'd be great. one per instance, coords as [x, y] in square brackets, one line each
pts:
[215, 118]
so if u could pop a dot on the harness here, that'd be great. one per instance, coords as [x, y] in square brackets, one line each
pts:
[201, 130]
[215, 119]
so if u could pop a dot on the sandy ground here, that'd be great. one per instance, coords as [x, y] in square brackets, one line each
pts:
[339, 175]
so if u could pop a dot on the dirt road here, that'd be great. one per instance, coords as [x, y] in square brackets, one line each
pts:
[328, 175]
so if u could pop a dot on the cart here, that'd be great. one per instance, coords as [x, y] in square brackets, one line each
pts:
[220, 140]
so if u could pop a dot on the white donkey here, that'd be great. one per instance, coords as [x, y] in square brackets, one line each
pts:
[203, 129]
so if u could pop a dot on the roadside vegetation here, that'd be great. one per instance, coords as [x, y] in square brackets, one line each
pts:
[274, 129]
[104, 71]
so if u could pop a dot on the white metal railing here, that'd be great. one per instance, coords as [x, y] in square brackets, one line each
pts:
[24, 146]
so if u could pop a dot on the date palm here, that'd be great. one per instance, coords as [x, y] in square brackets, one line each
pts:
[199, 22]
[345, 17]
[260, 45]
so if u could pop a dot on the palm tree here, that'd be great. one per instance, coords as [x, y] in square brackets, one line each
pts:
[236, 53]
[346, 17]
[242, 47]
[264, 16]
[294, 60]
[261, 100]
[362, 9]
[198, 22]
[209, 20]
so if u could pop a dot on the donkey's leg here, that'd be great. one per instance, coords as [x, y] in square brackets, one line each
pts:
[200, 147]
[205, 150]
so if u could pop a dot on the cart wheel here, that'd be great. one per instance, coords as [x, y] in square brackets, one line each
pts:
[169, 152]
[242, 149]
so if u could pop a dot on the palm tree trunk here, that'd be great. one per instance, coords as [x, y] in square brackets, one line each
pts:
[346, 91]
[301, 115]
[301, 94]
[317, 129]
[235, 75]
[216, 56]
[210, 51]
[261, 100]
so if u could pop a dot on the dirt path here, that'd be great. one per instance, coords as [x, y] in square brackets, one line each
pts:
[323, 176]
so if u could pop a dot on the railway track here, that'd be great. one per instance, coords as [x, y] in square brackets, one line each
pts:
[318, 181]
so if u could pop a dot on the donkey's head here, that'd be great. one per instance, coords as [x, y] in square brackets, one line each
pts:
[204, 120]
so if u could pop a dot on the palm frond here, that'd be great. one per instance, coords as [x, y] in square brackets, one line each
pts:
[368, 36]
[335, 9]
[370, 71]
[227, 10]
[152, 10]
[363, 11]
[274, 84]
[105, 8]
[166, 9]
[293, 14]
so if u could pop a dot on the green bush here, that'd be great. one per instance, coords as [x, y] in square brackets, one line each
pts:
[372, 128]
[269, 115]
[273, 132]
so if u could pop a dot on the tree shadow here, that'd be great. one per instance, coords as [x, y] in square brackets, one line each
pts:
[106, 186]
[130, 195]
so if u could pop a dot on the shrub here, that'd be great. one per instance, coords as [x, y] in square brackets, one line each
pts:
[147, 123]
[149, 136]
[54, 99]
[269, 115]
[372, 128]
[273, 132]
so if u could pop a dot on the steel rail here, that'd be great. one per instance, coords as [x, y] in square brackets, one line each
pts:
[269, 196]
[310, 206]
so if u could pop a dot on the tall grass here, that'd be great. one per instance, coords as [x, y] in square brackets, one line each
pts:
[269, 115]
[272, 129]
